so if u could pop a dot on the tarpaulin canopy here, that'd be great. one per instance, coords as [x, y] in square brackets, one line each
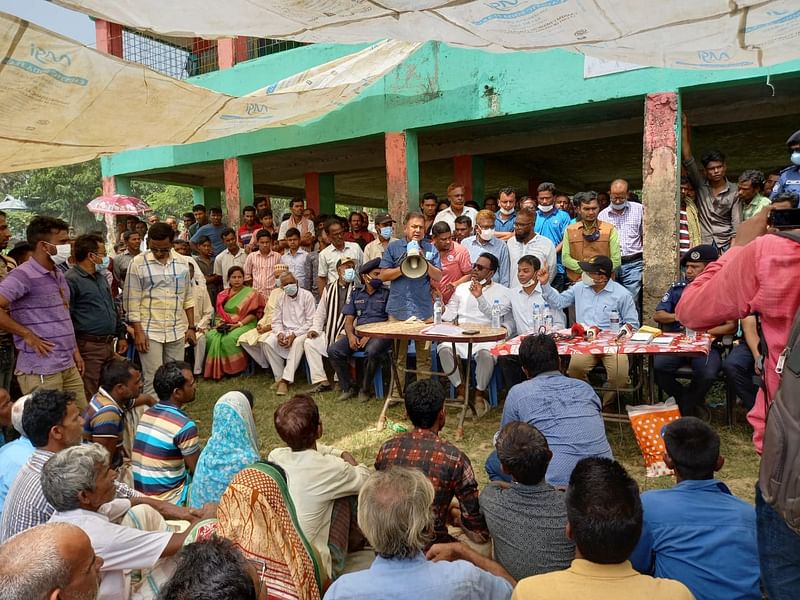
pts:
[689, 34]
[61, 102]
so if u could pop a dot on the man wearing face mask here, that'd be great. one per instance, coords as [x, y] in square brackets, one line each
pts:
[328, 325]
[594, 297]
[789, 180]
[384, 226]
[551, 222]
[365, 305]
[485, 240]
[472, 302]
[34, 306]
[95, 320]
[588, 237]
[526, 241]
[506, 214]
[626, 217]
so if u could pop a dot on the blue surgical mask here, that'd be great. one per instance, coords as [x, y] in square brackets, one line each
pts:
[349, 274]
[291, 289]
[795, 158]
[620, 207]
[104, 264]
[386, 232]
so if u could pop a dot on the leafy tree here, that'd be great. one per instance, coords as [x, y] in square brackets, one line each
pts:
[165, 200]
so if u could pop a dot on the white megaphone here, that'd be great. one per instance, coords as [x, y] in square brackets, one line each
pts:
[414, 264]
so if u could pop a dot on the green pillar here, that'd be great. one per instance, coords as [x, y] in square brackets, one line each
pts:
[327, 194]
[123, 185]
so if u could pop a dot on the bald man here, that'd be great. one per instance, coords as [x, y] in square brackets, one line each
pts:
[49, 562]
[627, 217]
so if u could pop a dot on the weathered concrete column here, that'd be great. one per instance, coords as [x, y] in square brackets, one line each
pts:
[231, 51]
[108, 37]
[320, 192]
[209, 197]
[114, 225]
[402, 174]
[660, 196]
[533, 186]
[238, 172]
[469, 170]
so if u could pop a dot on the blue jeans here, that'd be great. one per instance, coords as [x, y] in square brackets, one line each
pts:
[779, 552]
[494, 470]
[629, 275]
[739, 369]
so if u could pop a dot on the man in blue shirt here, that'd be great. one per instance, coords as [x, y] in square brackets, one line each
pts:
[698, 532]
[485, 240]
[506, 214]
[14, 454]
[410, 297]
[789, 180]
[567, 411]
[594, 297]
[552, 222]
[213, 230]
[364, 306]
[691, 397]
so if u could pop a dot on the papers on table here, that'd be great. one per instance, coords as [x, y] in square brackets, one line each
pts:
[442, 329]
[664, 340]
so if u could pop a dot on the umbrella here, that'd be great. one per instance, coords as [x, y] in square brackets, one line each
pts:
[11, 203]
[118, 205]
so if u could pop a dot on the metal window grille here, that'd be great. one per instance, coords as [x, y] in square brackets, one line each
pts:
[196, 57]
[258, 47]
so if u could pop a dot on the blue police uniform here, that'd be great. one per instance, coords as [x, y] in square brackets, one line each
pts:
[704, 368]
[788, 182]
[366, 308]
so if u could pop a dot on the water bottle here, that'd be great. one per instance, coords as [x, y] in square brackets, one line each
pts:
[438, 310]
[614, 321]
[547, 318]
[691, 334]
[537, 318]
[496, 315]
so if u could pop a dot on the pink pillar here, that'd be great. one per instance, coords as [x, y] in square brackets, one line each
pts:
[231, 51]
[109, 37]
[402, 173]
[462, 173]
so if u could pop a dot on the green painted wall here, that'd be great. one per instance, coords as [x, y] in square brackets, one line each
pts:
[438, 86]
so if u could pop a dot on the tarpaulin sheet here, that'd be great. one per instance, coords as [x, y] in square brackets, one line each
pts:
[61, 102]
[689, 34]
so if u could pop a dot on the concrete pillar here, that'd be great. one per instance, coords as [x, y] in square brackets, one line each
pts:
[231, 51]
[660, 196]
[469, 170]
[238, 173]
[402, 174]
[320, 191]
[533, 187]
[116, 184]
[207, 196]
[108, 37]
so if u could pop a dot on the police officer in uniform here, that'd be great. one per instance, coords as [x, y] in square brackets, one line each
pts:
[366, 305]
[790, 177]
[690, 398]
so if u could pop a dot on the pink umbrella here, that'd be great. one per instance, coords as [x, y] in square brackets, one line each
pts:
[118, 205]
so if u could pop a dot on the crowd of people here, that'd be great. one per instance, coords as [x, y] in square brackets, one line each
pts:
[106, 490]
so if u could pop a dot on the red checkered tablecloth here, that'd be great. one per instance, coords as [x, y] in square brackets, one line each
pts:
[604, 344]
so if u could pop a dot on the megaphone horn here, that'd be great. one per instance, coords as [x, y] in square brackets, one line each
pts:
[414, 265]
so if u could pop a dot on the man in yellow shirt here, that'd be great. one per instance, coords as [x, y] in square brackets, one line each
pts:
[604, 519]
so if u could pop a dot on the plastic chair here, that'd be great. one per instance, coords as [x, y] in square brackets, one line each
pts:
[377, 381]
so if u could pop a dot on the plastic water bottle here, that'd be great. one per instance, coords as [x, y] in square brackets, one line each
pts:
[496, 315]
[438, 310]
[547, 318]
[691, 334]
[537, 319]
[614, 321]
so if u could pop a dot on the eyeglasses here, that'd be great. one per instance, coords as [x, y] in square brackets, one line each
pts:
[479, 267]
[161, 250]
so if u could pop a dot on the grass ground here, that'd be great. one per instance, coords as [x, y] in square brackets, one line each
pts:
[351, 426]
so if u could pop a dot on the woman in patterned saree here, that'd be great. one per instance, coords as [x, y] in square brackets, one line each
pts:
[256, 513]
[232, 446]
[238, 308]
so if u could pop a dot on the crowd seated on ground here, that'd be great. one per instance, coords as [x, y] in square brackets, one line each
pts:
[560, 518]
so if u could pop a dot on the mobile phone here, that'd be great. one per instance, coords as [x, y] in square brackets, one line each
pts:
[470, 332]
[784, 218]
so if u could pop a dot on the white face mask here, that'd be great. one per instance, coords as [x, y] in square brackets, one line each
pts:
[487, 234]
[546, 209]
[529, 283]
[586, 279]
[63, 252]
[506, 211]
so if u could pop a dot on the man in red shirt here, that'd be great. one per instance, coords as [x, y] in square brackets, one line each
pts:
[456, 263]
[248, 227]
[758, 275]
[358, 232]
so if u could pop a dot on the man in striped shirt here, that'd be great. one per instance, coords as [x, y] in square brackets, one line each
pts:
[167, 446]
[259, 266]
[157, 294]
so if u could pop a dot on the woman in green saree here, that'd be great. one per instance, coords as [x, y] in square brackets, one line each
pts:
[238, 309]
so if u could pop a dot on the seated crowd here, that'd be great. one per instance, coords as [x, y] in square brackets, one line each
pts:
[106, 490]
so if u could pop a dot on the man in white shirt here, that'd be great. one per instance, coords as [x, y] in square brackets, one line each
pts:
[384, 228]
[203, 312]
[627, 217]
[526, 241]
[291, 320]
[296, 258]
[472, 302]
[329, 257]
[317, 475]
[455, 194]
[299, 222]
[79, 483]
[232, 256]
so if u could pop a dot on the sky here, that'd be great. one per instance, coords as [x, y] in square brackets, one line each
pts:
[66, 22]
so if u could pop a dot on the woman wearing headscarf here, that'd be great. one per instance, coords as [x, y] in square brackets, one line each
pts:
[232, 446]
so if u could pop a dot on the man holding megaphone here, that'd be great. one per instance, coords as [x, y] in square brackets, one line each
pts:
[410, 264]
